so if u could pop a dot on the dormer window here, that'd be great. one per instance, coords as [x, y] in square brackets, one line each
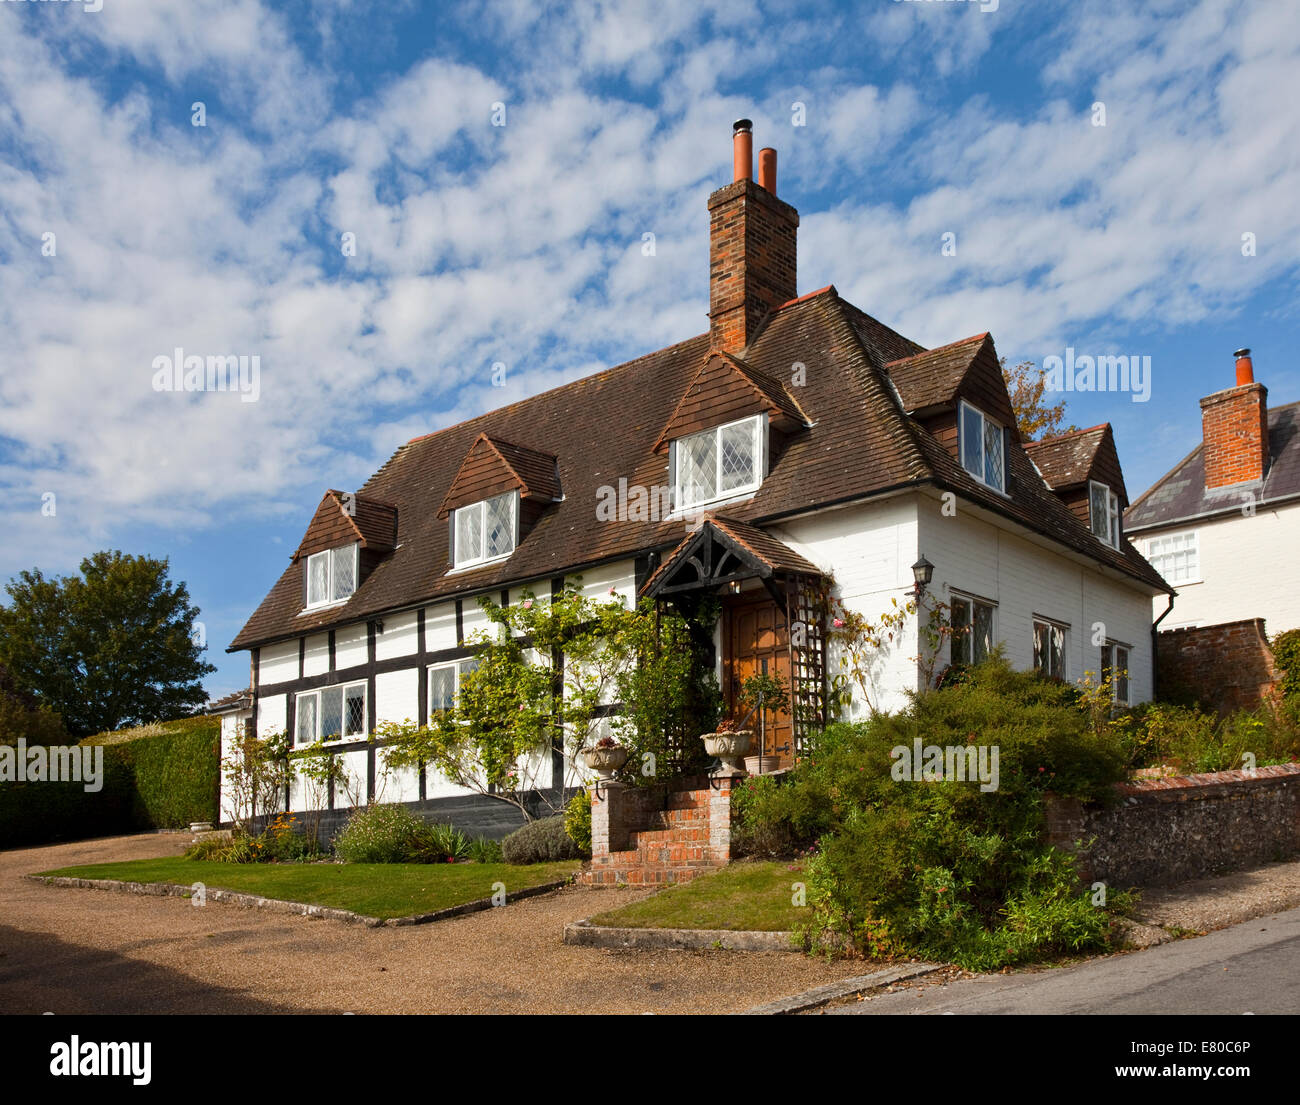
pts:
[331, 575]
[1103, 512]
[983, 449]
[485, 531]
[720, 463]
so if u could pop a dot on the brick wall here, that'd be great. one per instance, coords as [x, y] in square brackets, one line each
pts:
[1167, 831]
[1234, 424]
[1226, 667]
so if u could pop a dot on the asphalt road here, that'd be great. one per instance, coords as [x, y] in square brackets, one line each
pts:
[1252, 967]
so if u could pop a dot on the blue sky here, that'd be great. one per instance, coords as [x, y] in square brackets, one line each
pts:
[521, 244]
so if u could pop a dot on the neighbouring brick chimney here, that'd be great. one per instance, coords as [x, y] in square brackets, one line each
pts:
[1235, 429]
[752, 240]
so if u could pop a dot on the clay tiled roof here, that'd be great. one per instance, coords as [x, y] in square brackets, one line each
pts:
[931, 378]
[1066, 460]
[604, 428]
[492, 467]
[371, 522]
[1181, 495]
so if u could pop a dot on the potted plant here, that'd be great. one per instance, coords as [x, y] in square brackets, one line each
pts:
[605, 757]
[761, 693]
[728, 743]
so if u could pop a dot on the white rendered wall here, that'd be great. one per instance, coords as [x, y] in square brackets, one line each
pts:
[869, 551]
[1023, 579]
[1246, 571]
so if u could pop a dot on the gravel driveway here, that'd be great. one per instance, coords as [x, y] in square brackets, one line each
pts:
[92, 951]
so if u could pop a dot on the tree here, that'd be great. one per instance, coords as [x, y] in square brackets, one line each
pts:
[21, 717]
[1026, 384]
[635, 667]
[115, 645]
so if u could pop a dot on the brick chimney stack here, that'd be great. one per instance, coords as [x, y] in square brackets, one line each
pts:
[1235, 429]
[752, 247]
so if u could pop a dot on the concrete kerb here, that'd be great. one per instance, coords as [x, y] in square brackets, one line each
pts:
[845, 988]
[585, 934]
[279, 905]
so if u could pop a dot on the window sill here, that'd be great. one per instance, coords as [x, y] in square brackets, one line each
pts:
[477, 564]
[325, 606]
[987, 486]
[697, 509]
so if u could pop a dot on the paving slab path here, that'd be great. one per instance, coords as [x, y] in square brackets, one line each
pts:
[92, 951]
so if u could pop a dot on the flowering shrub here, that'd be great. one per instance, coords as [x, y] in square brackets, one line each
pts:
[386, 834]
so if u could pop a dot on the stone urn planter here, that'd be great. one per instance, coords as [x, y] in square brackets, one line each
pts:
[605, 760]
[729, 748]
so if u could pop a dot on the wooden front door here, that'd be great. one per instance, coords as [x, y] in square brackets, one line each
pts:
[757, 640]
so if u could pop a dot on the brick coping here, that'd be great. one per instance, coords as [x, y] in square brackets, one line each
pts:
[1211, 779]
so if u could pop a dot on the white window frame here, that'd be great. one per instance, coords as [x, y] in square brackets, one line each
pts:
[1193, 551]
[759, 431]
[1110, 662]
[455, 667]
[969, 636]
[343, 736]
[330, 599]
[1057, 627]
[1112, 515]
[985, 421]
[481, 506]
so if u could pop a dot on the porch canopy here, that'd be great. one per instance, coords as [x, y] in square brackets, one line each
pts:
[724, 552]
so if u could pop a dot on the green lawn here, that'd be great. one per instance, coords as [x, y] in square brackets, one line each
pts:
[747, 896]
[373, 889]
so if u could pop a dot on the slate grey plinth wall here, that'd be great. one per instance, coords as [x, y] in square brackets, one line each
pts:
[1167, 831]
[472, 814]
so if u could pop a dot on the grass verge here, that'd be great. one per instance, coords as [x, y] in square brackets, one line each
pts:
[749, 896]
[374, 889]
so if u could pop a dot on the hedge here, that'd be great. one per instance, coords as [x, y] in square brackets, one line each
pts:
[159, 781]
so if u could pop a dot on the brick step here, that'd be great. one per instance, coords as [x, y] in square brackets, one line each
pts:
[642, 876]
[669, 836]
[660, 855]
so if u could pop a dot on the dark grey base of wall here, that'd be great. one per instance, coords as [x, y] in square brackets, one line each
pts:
[472, 814]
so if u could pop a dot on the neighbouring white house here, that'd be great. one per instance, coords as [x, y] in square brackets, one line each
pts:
[1223, 526]
[797, 440]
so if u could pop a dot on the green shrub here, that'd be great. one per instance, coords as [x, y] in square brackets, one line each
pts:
[944, 869]
[577, 821]
[543, 841]
[385, 834]
[484, 850]
[1286, 655]
[238, 848]
[764, 816]
[446, 842]
[1193, 741]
